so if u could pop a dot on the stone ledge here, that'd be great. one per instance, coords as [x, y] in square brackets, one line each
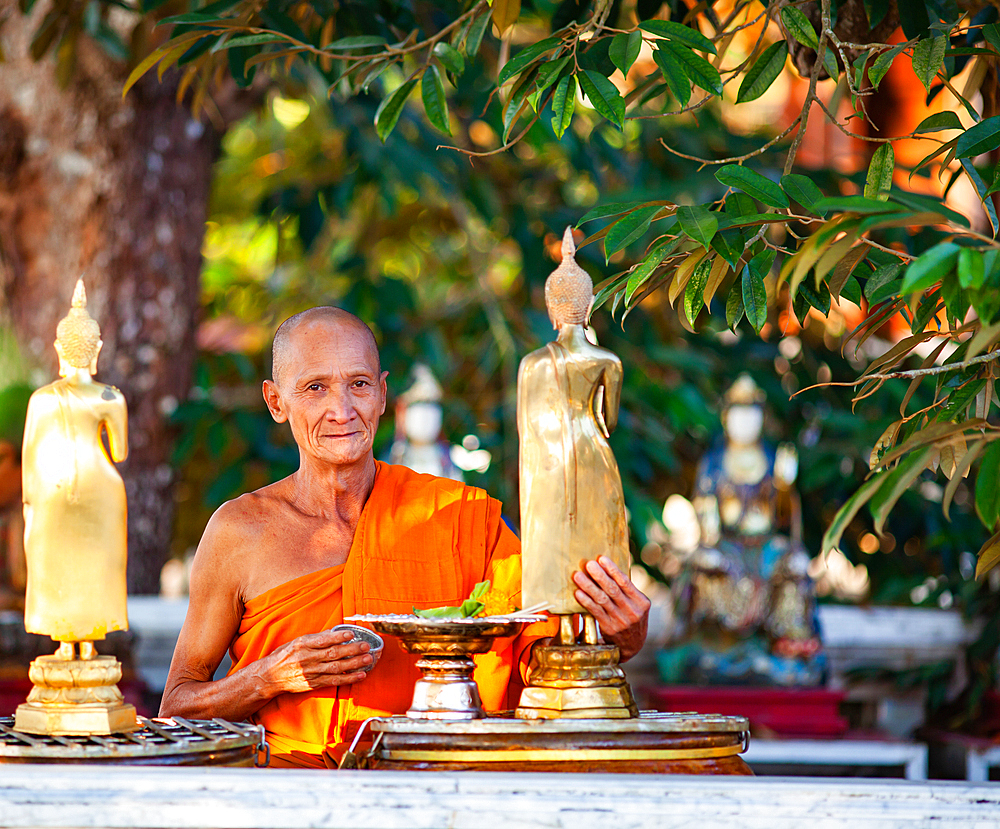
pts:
[92, 796]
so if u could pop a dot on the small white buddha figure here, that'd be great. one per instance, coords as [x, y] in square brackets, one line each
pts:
[418, 444]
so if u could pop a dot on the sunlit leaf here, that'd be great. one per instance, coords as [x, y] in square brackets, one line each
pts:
[435, 102]
[391, 108]
[989, 556]
[844, 516]
[930, 267]
[982, 190]
[753, 183]
[882, 63]
[347, 44]
[763, 73]
[928, 58]
[450, 57]
[879, 178]
[694, 293]
[645, 269]
[505, 14]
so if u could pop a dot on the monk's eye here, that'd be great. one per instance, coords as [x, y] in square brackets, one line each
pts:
[360, 384]
[313, 387]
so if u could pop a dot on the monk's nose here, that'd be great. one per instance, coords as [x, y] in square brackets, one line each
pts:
[340, 408]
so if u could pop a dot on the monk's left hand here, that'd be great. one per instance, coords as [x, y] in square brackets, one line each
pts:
[619, 607]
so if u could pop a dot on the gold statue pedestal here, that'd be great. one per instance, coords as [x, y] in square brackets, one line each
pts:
[576, 682]
[75, 697]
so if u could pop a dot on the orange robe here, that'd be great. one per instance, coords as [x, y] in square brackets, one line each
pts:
[421, 542]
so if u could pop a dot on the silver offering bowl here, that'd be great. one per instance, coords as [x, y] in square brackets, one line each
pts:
[446, 689]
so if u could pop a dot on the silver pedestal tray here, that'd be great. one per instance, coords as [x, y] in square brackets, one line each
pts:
[446, 689]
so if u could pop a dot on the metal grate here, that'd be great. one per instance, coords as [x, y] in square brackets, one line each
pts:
[171, 741]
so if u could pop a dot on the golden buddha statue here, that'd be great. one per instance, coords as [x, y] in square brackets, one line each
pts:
[572, 504]
[75, 537]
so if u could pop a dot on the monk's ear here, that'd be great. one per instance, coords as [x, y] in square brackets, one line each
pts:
[275, 405]
[384, 388]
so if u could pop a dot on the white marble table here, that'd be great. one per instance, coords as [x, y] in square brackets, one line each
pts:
[910, 757]
[92, 796]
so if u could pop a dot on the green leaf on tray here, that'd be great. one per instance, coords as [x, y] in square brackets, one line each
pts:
[472, 606]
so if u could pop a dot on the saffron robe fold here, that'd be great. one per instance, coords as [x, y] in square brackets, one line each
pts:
[421, 542]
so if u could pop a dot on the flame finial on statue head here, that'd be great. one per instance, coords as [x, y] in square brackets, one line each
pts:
[569, 290]
[78, 336]
[744, 392]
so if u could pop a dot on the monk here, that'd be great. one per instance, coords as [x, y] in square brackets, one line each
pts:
[346, 534]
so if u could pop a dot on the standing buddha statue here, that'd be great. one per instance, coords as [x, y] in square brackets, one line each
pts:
[75, 537]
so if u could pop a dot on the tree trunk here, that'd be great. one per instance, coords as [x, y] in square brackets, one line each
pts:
[117, 191]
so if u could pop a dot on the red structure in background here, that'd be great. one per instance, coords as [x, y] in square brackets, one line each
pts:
[787, 712]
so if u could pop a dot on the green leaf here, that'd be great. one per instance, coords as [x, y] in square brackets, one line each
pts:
[734, 306]
[603, 96]
[729, 244]
[991, 31]
[896, 482]
[450, 57]
[640, 275]
[988, 486]
[739, 204]
[989, 556]
[854, 204]
[694, 291]
[475, 37]
[628, 229]
[252, 40]
[803, 189]
[602, 211]
[879, 178]
[624, 50]
[699, 70]
[799, 27]
[525, 57]
[391, 108]
[883, 275]
[698, 223]
[930, 267]
[346, 44]
[914, 19]
[680, 33]
[563, 102]
[851, 291]
[926, 204]
[971, 268]
[435, 103]
[763, 73]
[548, 73]
[981, 189]
[844, 516]
[947, 120]
[979, 138]
[928, 58]
[675, 76]
[753, 183]
[754, 298]
[882, 63]
[522, 89]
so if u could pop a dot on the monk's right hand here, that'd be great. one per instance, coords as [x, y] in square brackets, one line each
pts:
[318, 660]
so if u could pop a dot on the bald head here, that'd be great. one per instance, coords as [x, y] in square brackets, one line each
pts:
[282, 350]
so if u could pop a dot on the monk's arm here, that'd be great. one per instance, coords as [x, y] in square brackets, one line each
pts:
[213, 619]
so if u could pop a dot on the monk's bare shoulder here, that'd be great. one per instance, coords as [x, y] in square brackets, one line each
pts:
[235, 535]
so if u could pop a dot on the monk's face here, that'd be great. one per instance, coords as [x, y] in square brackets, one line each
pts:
[331, 392]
